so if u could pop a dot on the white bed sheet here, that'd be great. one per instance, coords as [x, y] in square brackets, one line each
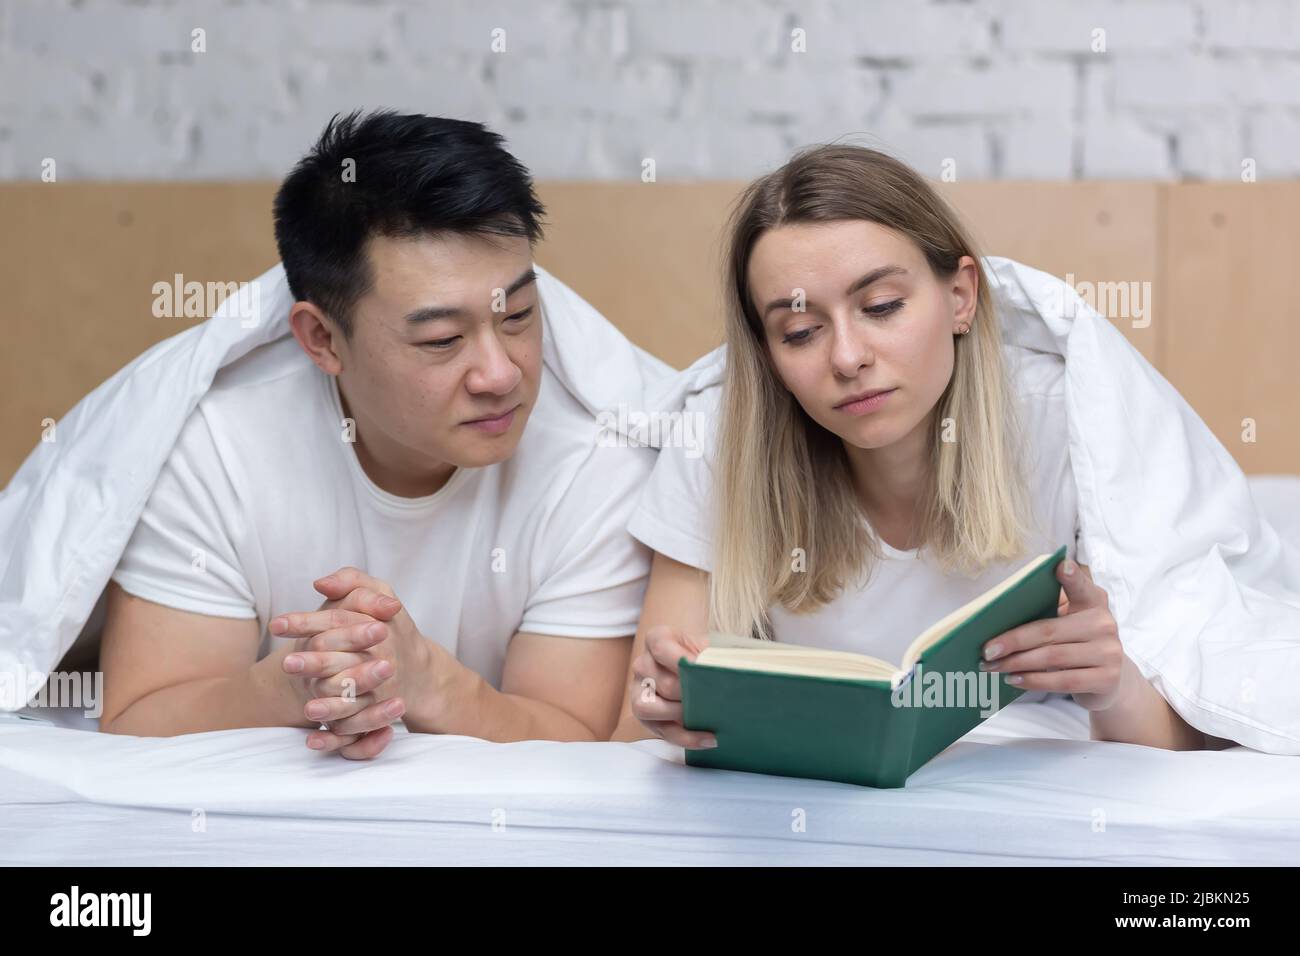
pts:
[1027, 787]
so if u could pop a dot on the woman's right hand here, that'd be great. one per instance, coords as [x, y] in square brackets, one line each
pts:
[657, 693]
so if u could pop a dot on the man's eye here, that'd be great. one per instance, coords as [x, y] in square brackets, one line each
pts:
[442, 344]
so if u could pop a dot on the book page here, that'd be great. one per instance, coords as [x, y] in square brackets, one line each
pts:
[748, 653]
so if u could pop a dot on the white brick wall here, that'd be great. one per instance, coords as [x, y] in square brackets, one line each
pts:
[708, 88]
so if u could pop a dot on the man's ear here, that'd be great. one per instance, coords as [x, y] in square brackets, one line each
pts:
[318, 336]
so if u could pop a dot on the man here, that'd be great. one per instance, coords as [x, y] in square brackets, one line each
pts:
[408, 444]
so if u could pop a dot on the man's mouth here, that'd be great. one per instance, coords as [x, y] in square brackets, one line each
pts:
[496, 423]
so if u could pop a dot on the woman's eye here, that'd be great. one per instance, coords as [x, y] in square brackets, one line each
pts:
[797, 338]
[520, 316]
[885, 308]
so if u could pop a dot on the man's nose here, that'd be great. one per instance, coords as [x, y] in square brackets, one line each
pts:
[494, 371]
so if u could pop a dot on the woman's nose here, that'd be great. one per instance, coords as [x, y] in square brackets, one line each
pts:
[849, 352]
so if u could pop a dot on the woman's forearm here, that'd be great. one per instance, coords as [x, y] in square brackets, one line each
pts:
[1141, 716]
[629, 729]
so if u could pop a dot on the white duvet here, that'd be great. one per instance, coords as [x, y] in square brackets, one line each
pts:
[1205, 593]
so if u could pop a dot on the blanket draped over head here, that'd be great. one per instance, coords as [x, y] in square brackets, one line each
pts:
[1205, 594]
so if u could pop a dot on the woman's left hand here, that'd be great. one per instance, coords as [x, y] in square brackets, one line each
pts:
[1077, 652]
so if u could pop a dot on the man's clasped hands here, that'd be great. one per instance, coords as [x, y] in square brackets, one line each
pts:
[355, 662]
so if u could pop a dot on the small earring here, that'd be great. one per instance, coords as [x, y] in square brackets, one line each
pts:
[963, 329]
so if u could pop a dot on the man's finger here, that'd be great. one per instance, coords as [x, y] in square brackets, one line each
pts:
[366, 600]
[310, 623]
[340, 582]
[354, 637]
[372, 718]
[369, 745]
[321, 663]
[326, 741]
[364, 678]
[330, 710]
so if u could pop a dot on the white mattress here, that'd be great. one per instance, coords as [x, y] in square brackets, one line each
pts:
[1026, 787]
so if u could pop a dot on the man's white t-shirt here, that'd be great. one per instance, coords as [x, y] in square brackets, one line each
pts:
[262, 495]
[905, 593]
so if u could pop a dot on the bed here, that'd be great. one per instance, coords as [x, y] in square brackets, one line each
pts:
[1026, 787]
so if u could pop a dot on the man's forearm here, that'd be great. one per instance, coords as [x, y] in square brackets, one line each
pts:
[1142, 716]
[257, 697]
[467, 704]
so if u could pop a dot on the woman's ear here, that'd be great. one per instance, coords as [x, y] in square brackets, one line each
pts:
[964, 288]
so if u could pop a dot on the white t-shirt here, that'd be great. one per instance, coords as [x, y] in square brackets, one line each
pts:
[262, 495]
[905, 594]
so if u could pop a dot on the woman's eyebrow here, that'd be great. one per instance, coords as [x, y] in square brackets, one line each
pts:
[873, 276]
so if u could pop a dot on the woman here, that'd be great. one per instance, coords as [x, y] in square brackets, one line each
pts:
[879, 458]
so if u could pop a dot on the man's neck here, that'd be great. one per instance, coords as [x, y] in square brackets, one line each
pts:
[390, 465]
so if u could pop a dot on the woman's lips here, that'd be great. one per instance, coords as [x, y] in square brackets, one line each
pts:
[495, 426]
[865, 405]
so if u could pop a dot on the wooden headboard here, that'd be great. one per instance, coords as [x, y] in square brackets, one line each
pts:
[79, 261]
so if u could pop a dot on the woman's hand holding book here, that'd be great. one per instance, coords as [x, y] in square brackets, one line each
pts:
[1078, 652]
[657, 693]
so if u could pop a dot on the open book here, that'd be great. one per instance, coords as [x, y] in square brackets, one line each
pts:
[808, 712]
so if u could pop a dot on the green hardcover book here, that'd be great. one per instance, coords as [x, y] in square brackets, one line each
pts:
[832, 715]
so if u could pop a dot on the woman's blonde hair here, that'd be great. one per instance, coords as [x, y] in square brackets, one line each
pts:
[783, 488]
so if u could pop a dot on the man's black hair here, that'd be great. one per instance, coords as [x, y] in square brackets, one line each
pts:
[410, 175]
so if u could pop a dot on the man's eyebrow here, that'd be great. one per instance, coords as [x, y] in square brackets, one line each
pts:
[525, 278]
[873, 276]
[431, 312]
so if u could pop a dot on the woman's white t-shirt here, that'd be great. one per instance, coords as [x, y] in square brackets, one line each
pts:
[263, 493]
[904, 594]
